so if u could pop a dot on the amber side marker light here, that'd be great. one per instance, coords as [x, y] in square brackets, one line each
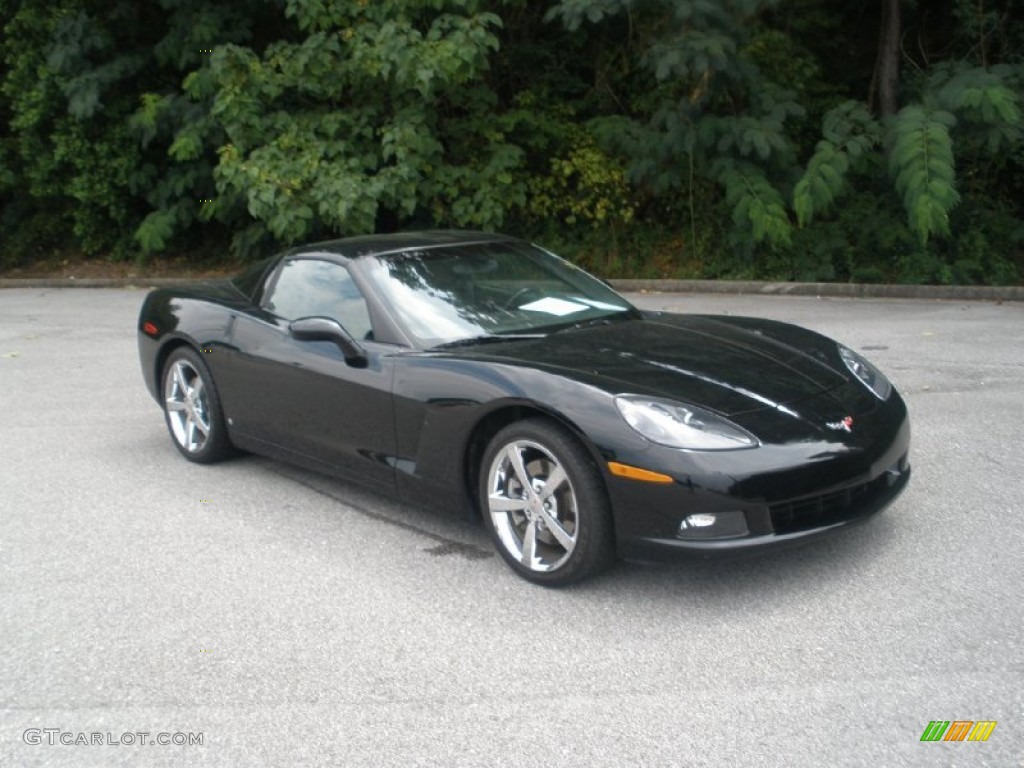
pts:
[149, 329]
[635, 473]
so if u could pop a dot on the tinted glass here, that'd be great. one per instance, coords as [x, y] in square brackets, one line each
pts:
[460, 292]
[315, 288]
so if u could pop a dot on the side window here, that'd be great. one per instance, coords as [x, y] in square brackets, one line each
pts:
[312, 287]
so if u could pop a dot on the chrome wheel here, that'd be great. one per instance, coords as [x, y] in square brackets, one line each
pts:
[188, 406]
[532, 506]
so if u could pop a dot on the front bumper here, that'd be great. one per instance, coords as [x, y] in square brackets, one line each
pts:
[817, 494]
[652, 549]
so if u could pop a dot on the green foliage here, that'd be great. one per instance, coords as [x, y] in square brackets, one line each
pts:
[586, 185]
[756, 205]
[921, 164]
[963, 111]
[156, 230]
[91, 89]
[718, 118]
[76, 170]
[350, 123]
[698, 138]
[985, 99]
[850, 133]
[989, 238]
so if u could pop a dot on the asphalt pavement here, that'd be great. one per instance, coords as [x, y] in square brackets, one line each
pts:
[282, 618]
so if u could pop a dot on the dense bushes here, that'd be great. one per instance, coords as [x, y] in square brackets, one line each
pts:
[745, 138]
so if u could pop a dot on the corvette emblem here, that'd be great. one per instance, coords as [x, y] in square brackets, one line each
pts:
[846, 425]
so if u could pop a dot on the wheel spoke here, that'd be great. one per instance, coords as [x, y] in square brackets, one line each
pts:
[197, 389]
[516, 460]
[190, 434]
[555, 479]
[529, 545]
[201, 425]
[179, 379]
[498, 502]
[553, 525]
[175, 405]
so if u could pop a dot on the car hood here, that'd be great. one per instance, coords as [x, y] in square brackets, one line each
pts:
[730, 365]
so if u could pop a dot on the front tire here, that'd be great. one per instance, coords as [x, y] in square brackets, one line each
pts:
[192, 408]
[545, 504]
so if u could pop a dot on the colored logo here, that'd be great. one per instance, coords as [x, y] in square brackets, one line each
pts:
[958, 730]
[845, 425]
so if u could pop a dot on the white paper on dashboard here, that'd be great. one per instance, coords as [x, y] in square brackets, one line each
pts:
[552, 306]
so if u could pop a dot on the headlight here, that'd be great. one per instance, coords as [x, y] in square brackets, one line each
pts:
[679, 425]
[872, 378]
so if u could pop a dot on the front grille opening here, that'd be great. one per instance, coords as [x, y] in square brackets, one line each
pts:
[831, 508]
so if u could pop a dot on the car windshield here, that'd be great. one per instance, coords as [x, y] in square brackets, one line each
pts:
[481, 290]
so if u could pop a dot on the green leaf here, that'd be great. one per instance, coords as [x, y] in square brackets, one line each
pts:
[849, 132]
[921, 164]
[155, 230]
[186, 146]
[758, 208]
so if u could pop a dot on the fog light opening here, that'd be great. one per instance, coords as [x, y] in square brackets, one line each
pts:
[714, 525]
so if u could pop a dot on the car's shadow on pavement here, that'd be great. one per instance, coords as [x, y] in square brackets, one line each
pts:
[818, 565]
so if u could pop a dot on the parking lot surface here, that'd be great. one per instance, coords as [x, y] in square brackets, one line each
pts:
[289, 619]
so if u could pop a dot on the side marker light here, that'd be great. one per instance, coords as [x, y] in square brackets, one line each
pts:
[635, 473]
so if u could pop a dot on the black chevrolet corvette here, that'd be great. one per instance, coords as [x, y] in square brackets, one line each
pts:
[481, 371]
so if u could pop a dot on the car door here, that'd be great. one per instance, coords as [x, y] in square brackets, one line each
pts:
[302, 396]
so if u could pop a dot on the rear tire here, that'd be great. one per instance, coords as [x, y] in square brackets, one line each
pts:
[192, 408]
[545, 504]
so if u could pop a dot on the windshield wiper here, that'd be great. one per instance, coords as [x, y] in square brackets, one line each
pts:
[618, 317]
[488, 338]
